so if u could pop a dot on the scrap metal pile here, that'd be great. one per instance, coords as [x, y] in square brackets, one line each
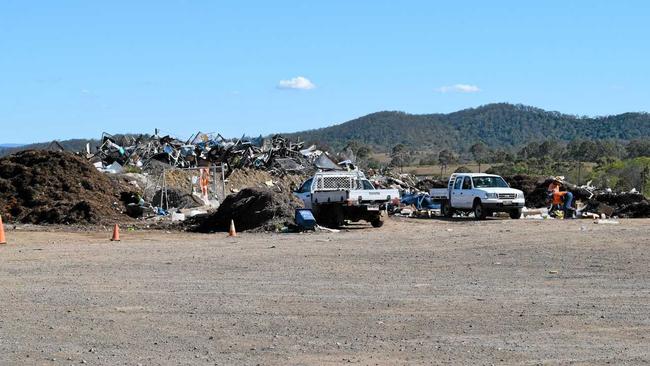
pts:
[386, 178]
[276, 154]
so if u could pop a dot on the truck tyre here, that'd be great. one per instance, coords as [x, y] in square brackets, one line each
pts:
[515, 214]
[479, 211]
[336, 217]
[329, 216]
[377, 222]
[446, 210]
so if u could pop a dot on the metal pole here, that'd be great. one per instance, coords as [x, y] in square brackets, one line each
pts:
[223, 181]
[214, 178]
[166, 197]
[162, 184]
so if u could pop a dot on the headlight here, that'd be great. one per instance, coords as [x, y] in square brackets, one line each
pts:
[520, 195]
[491, 195]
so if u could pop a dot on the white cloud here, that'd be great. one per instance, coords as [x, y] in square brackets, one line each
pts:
[459, 88]
[299, 82]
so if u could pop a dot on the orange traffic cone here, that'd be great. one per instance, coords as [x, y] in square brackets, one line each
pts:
[116, 233]
[2, 232]
[232, 231]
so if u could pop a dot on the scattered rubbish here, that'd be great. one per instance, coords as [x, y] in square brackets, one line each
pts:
[406, 211]
[176, 216]
[421, 201]
[193, 213]
[114, 168]
[323, 228]
[606, 222]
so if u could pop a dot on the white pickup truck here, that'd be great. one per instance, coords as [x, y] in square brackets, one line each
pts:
[479, 193]
[336, 196]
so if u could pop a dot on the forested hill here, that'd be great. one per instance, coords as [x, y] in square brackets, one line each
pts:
[497, 125]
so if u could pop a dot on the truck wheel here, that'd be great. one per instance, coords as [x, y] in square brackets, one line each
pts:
[329, 216]
[479, 211]
[377, 222]
[336, 218]
[515, 214]
[446, 210]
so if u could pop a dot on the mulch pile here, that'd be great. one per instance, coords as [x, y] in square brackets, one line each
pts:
[47, 187]
[252, 209]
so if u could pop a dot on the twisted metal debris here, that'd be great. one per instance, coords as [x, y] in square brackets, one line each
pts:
[276, 154]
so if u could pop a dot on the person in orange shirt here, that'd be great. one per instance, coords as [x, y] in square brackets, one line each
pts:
[204, 181]
[560, 198]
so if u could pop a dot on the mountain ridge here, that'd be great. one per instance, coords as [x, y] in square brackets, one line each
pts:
[498, 125]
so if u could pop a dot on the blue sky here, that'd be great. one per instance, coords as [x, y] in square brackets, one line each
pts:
[77, 68]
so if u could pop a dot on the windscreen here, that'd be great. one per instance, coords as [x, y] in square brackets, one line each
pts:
[489, 182]
[365, 184]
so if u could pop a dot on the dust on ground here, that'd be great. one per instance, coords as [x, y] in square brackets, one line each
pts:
[411, 292]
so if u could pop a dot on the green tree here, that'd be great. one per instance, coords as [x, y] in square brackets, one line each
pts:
[480, 153]
[400, 156]
[638, 148]
[446, 157]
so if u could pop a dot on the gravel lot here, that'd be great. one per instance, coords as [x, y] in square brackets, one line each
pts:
[412, 292]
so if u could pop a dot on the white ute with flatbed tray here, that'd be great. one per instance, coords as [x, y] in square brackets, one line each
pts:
[481, 194]
[336, 196]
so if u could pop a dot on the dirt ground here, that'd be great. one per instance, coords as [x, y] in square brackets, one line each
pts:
[412, 292]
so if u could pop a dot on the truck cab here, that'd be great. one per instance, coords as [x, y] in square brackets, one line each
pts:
[303, 193]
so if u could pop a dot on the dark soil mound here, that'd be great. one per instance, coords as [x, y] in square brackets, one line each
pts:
[176, 199]
[47, 187]
[425, 185]
[251, 209]
[619, 199]
[534, 188]
[634, 210]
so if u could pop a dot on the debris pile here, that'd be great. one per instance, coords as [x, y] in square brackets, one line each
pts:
[597, 201]
[257, 209]
[626, 205]
[386, 179]
[175, 198]
[425, 185]
[48, 187]
[276, 154]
